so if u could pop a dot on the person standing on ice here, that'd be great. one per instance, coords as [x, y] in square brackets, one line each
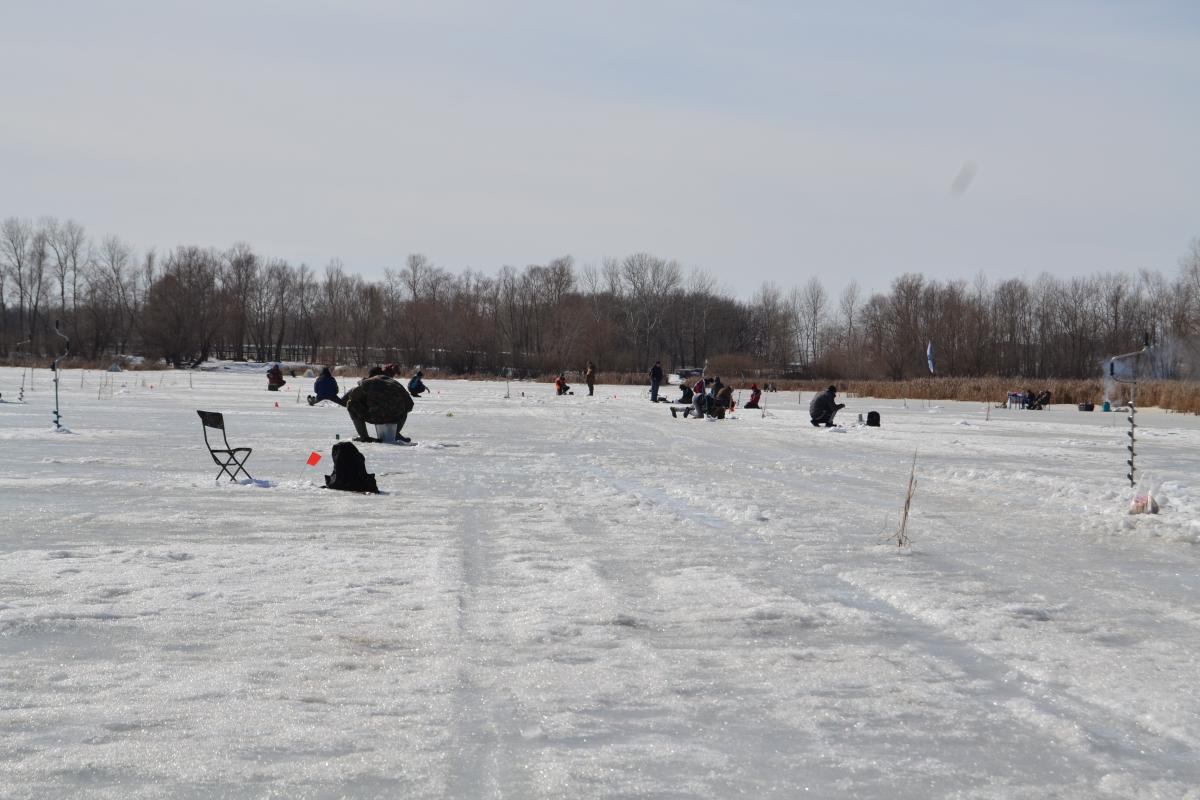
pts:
[656, 376]
[824, 408]
[380, 400]
[326, 388]
[589, 376]
[275, 379]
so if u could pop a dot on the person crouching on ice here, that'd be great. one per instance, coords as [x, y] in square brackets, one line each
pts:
[416, 386]
[755, 396]
[380, 400]
[824, 408]
[326, 388]
[685, 398]
[723, 402]
[699, 401]
[560, 384]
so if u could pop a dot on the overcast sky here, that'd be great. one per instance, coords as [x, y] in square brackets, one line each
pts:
[756, 140]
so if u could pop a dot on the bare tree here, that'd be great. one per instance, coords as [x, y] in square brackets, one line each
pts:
[16, 239]
[808, 309]
[647, 282]
[240, 281]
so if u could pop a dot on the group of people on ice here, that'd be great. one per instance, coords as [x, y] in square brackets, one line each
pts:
[561, 386]
[708, 397]
[378, 399]
[381, 399]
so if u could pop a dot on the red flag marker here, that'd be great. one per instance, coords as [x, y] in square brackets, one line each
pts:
[313, 458]
[277, 404]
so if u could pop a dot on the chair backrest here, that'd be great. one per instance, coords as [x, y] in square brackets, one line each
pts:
[213, 419]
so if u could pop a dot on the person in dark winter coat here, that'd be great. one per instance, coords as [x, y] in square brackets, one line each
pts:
[723, 403]
[685, 394]
[589, 377]
[416, 386]
[380, 400]
[326, 388]
[824, 408]
[275, 379]
[656, 376]
[755, 396]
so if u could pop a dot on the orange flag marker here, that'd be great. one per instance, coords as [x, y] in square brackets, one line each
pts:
[313, 458]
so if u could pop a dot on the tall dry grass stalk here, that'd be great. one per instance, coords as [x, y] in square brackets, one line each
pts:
[900, 537]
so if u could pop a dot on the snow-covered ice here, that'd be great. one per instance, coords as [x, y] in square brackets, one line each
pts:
[584, 597]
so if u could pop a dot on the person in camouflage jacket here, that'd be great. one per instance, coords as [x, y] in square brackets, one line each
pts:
[379, 400]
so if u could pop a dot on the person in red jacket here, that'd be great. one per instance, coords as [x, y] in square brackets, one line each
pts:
[755, 394]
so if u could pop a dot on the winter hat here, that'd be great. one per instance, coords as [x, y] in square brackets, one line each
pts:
[832, 390]
[373, 371]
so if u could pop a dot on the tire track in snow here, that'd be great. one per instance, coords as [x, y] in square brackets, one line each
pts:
[483, 763]
[1121, 738]
[1021, 561]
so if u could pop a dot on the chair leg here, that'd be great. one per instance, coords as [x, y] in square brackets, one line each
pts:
[241, 467]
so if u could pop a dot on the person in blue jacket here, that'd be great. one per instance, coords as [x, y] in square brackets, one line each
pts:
[326, 388]
[416, 386]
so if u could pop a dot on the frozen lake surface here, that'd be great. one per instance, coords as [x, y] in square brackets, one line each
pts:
[582, 597]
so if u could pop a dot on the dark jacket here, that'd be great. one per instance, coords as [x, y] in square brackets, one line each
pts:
[326, 387]
[685, 393]
[824, 405]
[656, 373]
[725, 397]
[416, 386]
[380, 401]
[275, 377]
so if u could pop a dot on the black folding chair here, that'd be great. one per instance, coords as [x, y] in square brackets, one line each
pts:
[228, 457]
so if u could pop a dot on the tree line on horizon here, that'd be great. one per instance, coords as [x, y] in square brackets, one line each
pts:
[191, 303]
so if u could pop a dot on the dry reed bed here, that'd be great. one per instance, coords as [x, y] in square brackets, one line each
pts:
[1183, 396]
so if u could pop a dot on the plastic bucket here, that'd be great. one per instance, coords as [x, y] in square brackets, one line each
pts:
[386, 433]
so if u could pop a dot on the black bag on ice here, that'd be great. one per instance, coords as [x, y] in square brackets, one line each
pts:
[350, 470]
